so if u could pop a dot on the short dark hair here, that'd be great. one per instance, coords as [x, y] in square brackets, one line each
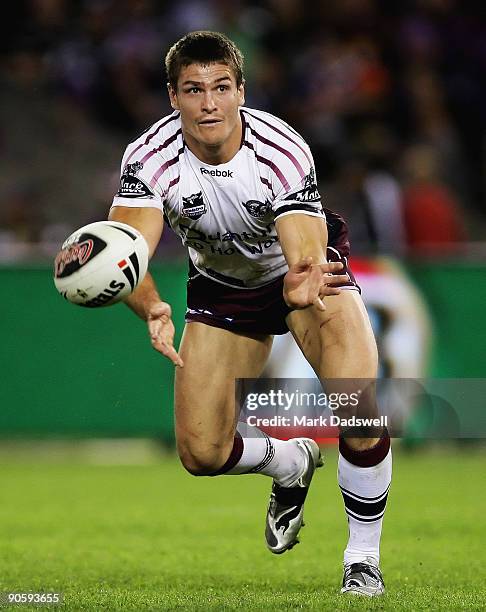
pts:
[203, 47]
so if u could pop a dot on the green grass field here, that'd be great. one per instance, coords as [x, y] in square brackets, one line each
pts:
[152, 537]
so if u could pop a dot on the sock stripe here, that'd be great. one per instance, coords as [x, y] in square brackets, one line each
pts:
[269, 455]
[362, 519]
[364, 499]
[364, 509]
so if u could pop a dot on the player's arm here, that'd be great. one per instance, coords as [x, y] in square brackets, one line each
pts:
[145, 300]
[150, 223]
[304, 242]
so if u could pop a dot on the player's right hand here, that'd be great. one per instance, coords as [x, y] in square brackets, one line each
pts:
[162, 330]
[306, 283]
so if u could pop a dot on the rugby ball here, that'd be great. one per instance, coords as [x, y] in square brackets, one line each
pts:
[101, 264]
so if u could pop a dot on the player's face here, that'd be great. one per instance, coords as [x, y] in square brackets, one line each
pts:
[208, 98]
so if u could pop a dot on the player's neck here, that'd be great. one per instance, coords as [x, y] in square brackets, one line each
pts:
[216, 154]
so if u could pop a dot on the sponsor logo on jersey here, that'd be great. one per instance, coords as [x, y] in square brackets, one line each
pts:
[194, 206]
[309, 191]
[257, 209]
[221, 173]
[132, 186]
[226, 244]
[76, 254]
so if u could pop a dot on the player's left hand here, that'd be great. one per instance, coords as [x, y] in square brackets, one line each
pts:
[306, 283]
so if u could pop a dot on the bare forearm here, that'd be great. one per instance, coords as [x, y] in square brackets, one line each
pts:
[150, 223]
[303, 236]
[144, 296]
[310, 276]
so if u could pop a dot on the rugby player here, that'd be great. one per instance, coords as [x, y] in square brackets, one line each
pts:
[238, 186]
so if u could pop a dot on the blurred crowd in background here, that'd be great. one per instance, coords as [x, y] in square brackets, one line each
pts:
[389, 94]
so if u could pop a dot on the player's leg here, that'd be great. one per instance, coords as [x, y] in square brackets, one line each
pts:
[206, 419]
[205, 413]
[206, 416]
[339, 344]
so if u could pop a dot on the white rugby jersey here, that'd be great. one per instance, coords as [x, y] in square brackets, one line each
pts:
[225, 214]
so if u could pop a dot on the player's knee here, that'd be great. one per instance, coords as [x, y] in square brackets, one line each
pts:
[201, 460]
[361, 444]
[364, 438]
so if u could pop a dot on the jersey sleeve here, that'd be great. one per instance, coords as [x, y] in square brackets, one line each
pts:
[298, 191]
[138, 184]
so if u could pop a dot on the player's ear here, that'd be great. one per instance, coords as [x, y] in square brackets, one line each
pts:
[241, 94]
[172, 97]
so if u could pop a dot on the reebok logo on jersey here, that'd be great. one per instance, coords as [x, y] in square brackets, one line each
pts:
[194, 206]
[222, 173]
[131, 186]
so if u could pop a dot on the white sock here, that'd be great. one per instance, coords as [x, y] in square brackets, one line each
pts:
[280, 459]
[365, 491]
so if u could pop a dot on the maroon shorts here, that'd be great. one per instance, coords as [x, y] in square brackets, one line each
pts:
[247, 311]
